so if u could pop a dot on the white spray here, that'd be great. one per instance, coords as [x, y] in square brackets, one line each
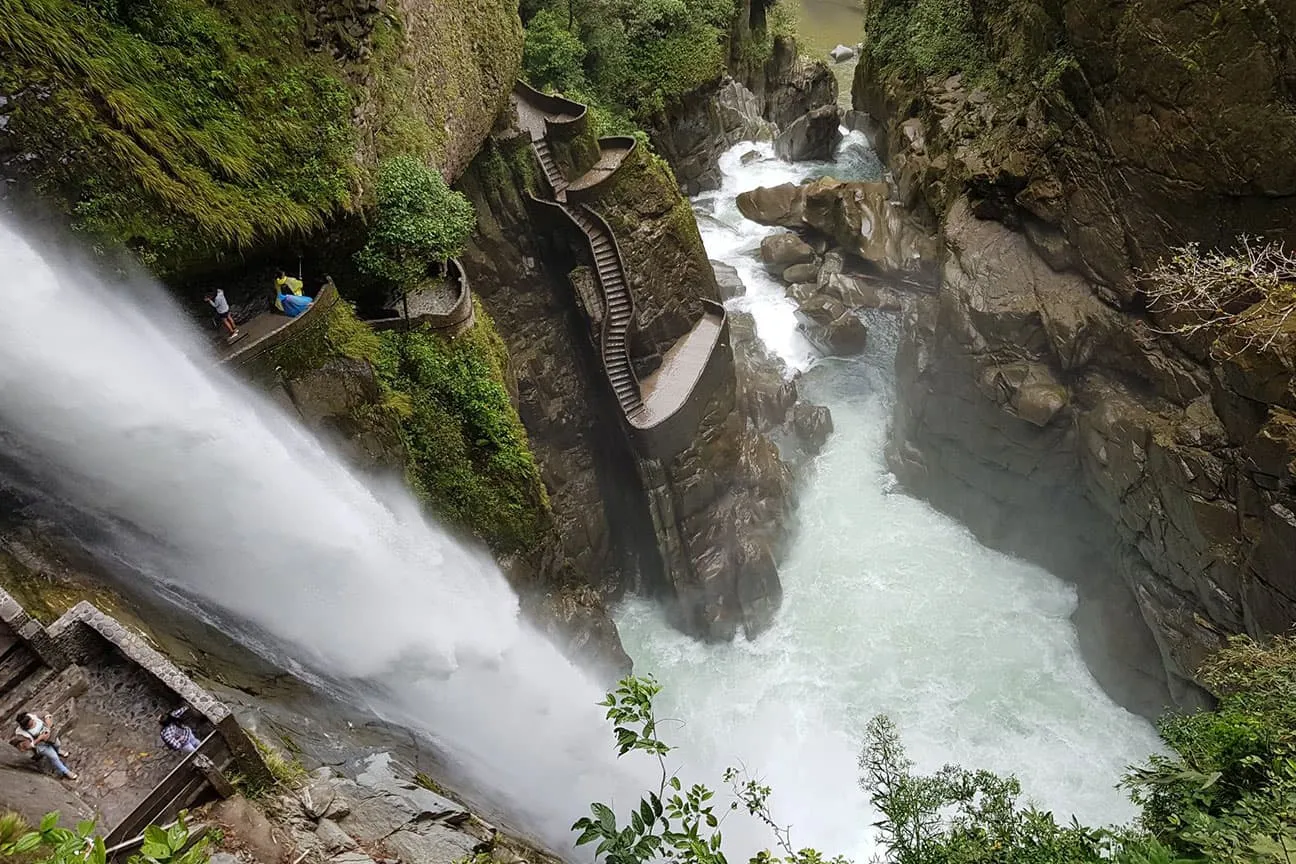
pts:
[224, 500]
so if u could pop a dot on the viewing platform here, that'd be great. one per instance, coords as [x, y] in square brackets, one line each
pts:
[444, 305]
[271, 329]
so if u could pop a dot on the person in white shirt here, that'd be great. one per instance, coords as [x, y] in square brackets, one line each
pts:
[216, 299]
[36, 735]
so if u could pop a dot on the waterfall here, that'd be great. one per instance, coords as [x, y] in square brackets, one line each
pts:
[118, 412]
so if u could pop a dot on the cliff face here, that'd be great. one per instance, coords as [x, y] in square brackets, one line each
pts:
[196, 133]
[1038, 402]
[699, 528]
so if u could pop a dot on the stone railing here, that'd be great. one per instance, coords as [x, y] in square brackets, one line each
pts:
[84, 636]
[457, 318]
[564, 119]
[291, 329]
[624, 144]
[662, 437]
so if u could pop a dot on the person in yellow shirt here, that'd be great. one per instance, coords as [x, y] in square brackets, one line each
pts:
[285, 284]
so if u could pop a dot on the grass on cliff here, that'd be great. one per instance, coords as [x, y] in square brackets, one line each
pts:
[178, 126]
[469, 457]
[627, 58]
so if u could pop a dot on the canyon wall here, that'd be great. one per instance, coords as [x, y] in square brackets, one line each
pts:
[1039, 400]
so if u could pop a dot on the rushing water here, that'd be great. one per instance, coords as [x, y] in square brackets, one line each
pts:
[889, 607]
[200, 486]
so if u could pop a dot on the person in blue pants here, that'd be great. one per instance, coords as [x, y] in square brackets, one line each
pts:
[36, 735]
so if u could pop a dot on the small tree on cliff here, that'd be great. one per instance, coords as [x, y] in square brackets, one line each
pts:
[420, 220]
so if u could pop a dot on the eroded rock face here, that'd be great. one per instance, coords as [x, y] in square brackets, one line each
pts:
[696, 131]
[857, 217]
[781, 251]
[1024, 410]
[812, 136]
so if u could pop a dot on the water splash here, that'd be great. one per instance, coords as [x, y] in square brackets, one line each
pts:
[115, 410]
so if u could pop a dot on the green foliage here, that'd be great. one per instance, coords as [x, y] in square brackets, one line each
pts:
[470, 460]
[628, 57]
[51, 844]
[1229, 793]
[286, 770]
[925, 37]
[419, 220]
[551, 55]
[1230, 796]
[178, 126]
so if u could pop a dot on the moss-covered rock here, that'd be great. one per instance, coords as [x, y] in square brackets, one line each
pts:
[187, 130]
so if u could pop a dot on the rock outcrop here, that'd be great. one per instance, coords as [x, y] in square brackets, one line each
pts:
[856, 217]
[812, 136]
[701, 528]
[1036, 398]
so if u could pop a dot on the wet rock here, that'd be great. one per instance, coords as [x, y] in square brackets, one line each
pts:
[814, 136]
[765, 395]
[801, 273]
[375, 817]
[841, 53]
[812, 424]
[338, 399]
[793, 89]
[774, 205]
[802, 291]
[728, 282]
[430, 844]
[781, 251]
[332, 838]
[846, 336]
[860, 219]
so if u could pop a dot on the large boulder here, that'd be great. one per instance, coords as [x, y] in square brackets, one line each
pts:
[859, 217]
[841, 53]
[728, 283]
[831, 327]
[774, 205]
[795, 88]
[813, 136]
[781, 251]
[812, 424]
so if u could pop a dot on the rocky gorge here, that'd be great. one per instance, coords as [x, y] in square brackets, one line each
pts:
[1040, 397]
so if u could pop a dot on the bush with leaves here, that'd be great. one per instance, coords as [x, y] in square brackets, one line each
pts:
[51, 844]
[419, 221]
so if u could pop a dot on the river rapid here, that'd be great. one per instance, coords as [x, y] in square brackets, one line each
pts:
[889, 607]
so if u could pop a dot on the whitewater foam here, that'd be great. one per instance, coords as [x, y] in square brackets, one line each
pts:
[114, 407]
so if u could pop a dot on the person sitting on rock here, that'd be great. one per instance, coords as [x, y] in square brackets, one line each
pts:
[36, 735]
[285, 285]
[175, 733]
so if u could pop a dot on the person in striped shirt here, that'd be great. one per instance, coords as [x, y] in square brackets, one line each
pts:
[175, 734]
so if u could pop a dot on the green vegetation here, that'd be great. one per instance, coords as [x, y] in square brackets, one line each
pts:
[469, 458]
[419, 220]
[627, 59]
[1005, 45]
[178, 127]
[286, 770]
[1227, 796]
[50, 844]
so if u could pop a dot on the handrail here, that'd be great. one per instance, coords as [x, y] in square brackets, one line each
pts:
[552, 104]
[160, 795]
[625, 279]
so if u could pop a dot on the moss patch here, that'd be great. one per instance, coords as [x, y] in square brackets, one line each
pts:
[178, 127]
[470, 459]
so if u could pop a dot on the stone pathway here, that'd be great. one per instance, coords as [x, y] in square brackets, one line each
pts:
[669, 386]
[610, 159]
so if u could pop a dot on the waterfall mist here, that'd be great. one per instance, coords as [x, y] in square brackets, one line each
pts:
[120, 414]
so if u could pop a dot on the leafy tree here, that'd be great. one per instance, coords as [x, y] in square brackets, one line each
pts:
[552, 55]
[420, 220]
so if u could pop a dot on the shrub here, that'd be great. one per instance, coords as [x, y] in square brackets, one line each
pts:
[470, 460]
[1248, 295]
[419, 220]
[551, 55]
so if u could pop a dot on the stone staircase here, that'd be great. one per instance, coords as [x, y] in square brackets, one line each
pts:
[619, 311]
[553, 175]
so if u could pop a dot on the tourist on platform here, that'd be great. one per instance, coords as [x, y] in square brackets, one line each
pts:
[36, 735]
[216, 299]
[285, 285]
[175, 733]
